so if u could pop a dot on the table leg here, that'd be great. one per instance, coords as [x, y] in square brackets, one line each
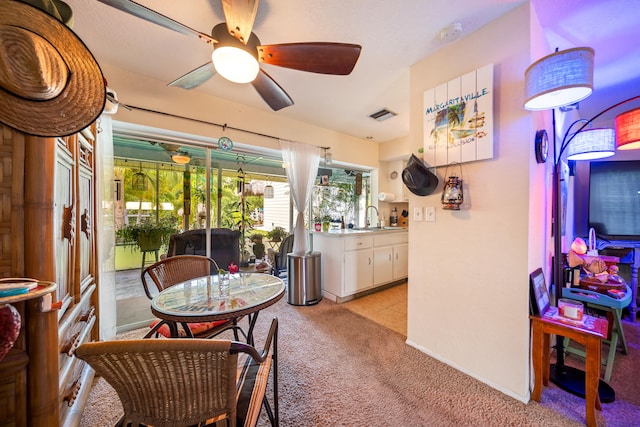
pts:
[617, 320]
[592, 378]
[633, 307]
[546, 352]
[252, 322]
[538, 368]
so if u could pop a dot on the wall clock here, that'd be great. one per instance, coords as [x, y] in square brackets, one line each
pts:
[541, 146]
[225, 143]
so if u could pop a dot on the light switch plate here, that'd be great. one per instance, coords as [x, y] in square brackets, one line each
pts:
[430, 213]
[417, 214]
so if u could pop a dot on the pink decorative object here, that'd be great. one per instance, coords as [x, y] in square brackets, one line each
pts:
[233, 268]
[9, 328]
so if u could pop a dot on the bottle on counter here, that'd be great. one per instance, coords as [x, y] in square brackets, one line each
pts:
[393, 218]
[342, 224]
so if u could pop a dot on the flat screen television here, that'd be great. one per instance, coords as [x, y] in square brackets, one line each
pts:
[614, 199]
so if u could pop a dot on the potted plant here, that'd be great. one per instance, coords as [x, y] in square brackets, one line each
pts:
[277, 234]
[258, 246]
[326, 222]
[147, 235]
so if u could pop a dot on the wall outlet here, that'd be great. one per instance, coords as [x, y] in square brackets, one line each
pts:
[417, 214]
[430, 213]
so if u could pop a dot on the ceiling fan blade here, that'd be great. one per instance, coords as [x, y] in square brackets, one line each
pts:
[271, 91]
[195, 77]
[319, 57]
[150, 15]
[240, 16]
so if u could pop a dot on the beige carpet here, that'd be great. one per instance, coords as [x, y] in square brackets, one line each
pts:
[338, 368]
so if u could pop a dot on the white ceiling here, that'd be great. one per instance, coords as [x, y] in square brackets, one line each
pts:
[393, 34]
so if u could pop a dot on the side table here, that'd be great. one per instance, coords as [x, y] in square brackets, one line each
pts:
[542, 328]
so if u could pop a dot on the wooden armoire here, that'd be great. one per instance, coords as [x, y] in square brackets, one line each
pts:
[47, 232]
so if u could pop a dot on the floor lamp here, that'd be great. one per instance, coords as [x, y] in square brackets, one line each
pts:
[560, 79]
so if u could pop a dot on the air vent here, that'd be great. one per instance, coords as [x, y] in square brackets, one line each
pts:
[382, 115]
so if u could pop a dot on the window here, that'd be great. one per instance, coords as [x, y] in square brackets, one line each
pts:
[340, 194]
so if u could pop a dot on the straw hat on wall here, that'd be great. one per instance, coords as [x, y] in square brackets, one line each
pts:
[50, 83]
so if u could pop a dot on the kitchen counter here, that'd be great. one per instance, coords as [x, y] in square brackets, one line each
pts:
[360, 231]
[357, 261]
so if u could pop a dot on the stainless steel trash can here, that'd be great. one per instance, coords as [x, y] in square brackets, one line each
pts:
[304, 280]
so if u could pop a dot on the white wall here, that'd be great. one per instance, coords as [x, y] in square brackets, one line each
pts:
[276, 210]
[140, 91]
[468, 270]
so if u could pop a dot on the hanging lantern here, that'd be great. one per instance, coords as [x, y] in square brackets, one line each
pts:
[268, 191]
[452, 196]
[139, 181]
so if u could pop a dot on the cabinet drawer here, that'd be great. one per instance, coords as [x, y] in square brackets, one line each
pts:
[71, 409]
[70, 366]
[360, 242]
[74, 384]
[390, 239]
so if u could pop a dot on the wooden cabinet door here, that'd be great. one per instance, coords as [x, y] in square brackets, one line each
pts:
[85, 214]
[64, 224]
[358, 270]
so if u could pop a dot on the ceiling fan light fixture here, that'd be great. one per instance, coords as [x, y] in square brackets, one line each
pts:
[232, 59]
[235, 64]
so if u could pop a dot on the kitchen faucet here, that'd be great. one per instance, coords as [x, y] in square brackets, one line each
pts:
[366, 211]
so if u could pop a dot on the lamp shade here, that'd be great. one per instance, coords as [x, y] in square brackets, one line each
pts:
[592, 144]
[628, 130]
[561, 78]
[181, 157]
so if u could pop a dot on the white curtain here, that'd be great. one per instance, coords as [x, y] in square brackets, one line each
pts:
[301, 162]
[105, 250]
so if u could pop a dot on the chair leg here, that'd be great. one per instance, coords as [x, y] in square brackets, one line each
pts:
[144, 255]
[154, 330]
[267, 407]
[274, 358]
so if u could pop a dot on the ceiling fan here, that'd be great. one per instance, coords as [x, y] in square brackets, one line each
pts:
[234, 40]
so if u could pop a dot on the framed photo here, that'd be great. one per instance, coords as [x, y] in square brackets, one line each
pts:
[538, 293]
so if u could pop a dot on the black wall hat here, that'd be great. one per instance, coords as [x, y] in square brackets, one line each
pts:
[417, 177]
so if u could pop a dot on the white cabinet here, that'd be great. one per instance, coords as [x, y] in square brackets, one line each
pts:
[382, 265]
[358, 274]
[354, 262]
[392, 261]
[400, 261]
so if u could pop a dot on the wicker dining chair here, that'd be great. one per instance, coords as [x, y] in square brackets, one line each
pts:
[177, 269]
[188, 382]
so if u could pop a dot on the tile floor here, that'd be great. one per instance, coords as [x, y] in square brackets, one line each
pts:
[387, 307]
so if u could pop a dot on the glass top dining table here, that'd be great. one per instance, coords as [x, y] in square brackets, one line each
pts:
[199, 300]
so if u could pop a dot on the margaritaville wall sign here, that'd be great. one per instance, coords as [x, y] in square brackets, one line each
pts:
[458, 119]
